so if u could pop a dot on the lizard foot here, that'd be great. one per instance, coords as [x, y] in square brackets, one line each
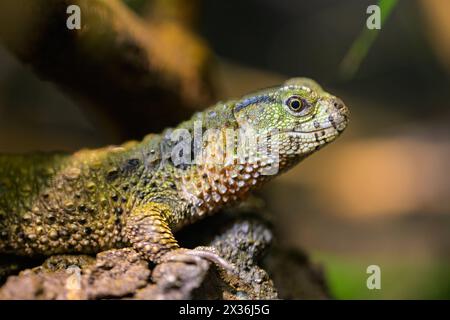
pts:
[191, 256]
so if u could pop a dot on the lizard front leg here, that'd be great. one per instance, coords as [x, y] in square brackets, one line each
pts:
[149, 233]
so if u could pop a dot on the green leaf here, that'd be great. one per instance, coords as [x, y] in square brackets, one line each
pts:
[358, 51]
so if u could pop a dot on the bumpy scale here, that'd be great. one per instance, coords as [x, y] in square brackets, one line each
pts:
[137, 194]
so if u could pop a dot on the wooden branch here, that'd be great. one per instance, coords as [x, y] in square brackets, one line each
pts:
[141, 75]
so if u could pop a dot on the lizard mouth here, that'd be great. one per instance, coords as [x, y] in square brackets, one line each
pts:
[334, 127]
[337, 129]
[294, 131]
[319, 135]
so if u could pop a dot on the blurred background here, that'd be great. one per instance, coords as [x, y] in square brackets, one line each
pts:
[379, 195]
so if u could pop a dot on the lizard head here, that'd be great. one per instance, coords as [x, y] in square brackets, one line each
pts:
[301, 114]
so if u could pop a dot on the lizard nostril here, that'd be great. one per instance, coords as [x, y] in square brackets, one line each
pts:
[340, 106]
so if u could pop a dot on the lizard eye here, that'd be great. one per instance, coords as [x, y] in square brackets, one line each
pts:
[296, 104]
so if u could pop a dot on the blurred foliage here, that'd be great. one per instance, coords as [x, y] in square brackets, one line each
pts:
[360, 47]
[400, 279]
[136, 5]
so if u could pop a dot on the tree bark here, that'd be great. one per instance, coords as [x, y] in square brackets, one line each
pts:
[136, 75]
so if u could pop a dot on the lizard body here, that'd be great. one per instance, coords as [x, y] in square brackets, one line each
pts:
[137, 194]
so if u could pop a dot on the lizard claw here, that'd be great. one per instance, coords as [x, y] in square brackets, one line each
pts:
[190, 255]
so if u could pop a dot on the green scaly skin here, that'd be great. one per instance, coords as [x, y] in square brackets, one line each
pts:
[134, 195]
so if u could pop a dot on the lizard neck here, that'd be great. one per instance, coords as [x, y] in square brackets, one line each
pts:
[198, 166]
[212, 187]
[221, 173]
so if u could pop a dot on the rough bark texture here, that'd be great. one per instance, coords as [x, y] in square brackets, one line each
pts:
[128, 72]
[120, 274]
